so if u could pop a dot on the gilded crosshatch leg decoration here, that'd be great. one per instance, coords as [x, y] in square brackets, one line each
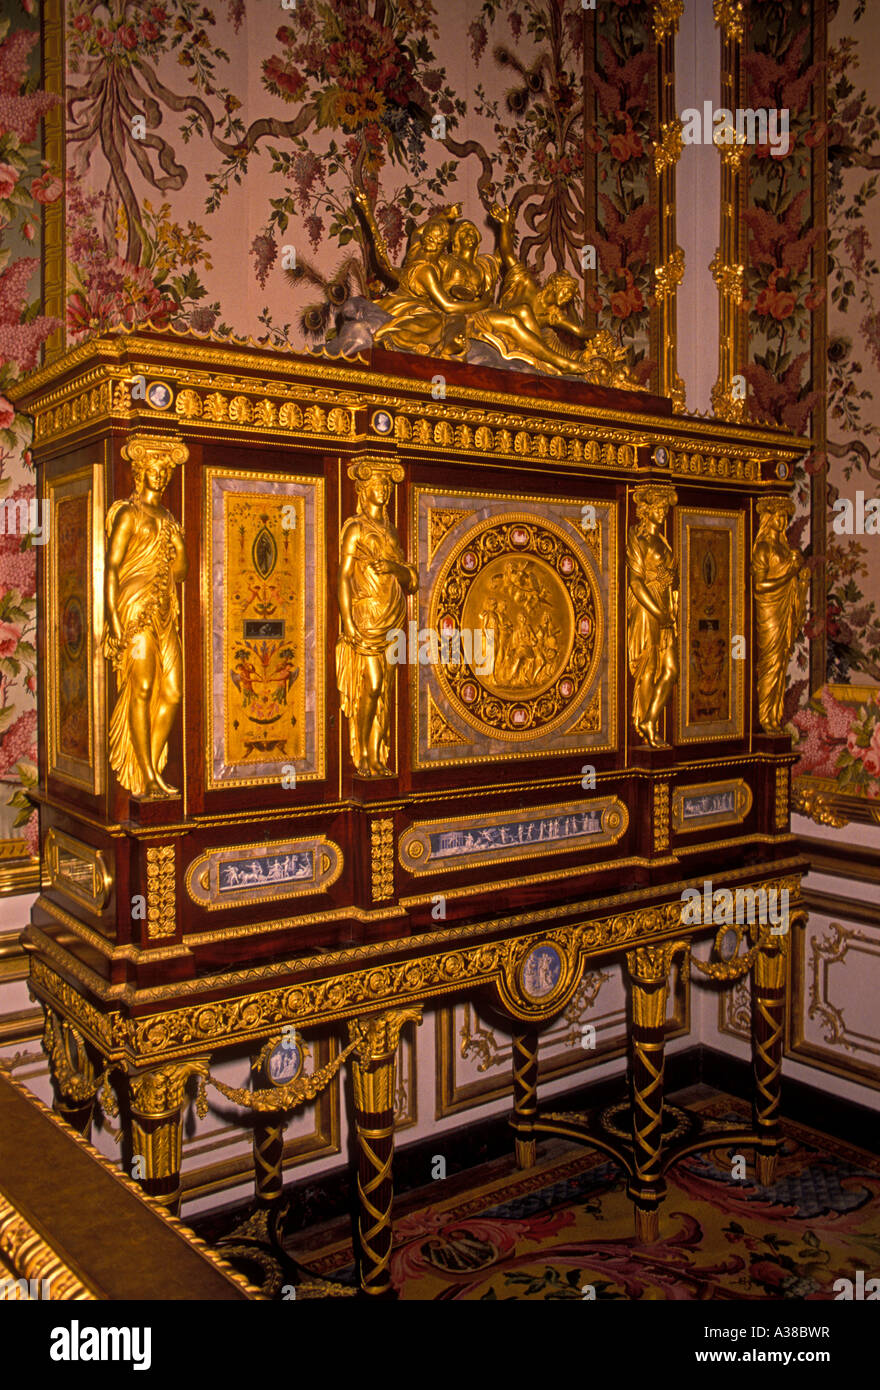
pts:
[145, 562]
[157, 1099]
[768, 1021]
[373, 1064]
[651, 610]
[781, 581]
[525, 1095]
[74, 1080]
[278, 1087]
[648, 969]
[374, 580]
[268, 1140]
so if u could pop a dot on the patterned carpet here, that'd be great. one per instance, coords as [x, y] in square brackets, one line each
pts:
[546, 1232]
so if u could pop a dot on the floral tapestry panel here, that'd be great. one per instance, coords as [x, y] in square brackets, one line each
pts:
[27, 184]
[213, 153]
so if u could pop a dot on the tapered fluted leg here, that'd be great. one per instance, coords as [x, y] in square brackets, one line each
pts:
[157, 1099]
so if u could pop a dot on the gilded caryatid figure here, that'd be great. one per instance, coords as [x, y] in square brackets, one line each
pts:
[145, 561]
[651, 610]
[450, 299]
[374, 580]
[781, 581]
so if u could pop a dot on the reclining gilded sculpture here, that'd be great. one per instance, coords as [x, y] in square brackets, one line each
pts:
[448, 299]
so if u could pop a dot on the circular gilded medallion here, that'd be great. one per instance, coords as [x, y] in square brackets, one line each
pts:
[528, 610]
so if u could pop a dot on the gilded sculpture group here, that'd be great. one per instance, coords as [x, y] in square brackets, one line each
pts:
[442, 300]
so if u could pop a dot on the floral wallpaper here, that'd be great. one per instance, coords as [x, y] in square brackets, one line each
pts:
[417, 104]
[26, 185]
[836, 739]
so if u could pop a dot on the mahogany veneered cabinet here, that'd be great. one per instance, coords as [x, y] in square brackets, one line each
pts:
[424, 728]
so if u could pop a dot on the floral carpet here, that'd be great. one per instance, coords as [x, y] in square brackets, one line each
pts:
[547, 1232]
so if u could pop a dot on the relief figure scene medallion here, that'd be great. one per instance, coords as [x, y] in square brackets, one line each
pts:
[530, 606]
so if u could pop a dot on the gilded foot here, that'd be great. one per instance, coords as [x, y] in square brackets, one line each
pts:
[765, 1169]
[647, 1225]
[157, 790]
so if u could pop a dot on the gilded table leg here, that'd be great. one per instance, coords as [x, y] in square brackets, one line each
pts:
[648, 968]
[157, 1099]
[373, 1067]
[525, 1095]
[768, 1017]
[268, 1149]
[74, 1081]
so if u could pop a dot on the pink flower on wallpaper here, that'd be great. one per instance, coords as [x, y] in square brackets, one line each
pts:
[871, 759]
[627, 240]
[32, 835]
[18, 744]
[779, 304]
[10, 636]
[8, 179]
[265, 254]
[781, 399]
[284, 78]
[116, 293]
[781, 82]
[823, 736]
[20, 115]
[47, 188]
[29, 231]
[624, 86]
[870, 329]
[20, 342]
[7, 413]
[18, 567]
[625, 145]
[626, 301]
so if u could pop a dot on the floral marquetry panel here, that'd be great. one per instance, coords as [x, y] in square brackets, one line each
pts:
[710, 701]
[75, 678]
[266, 696]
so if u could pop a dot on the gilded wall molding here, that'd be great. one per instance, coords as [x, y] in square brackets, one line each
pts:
[669, 270]
[844, 1049]
[728, 264]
